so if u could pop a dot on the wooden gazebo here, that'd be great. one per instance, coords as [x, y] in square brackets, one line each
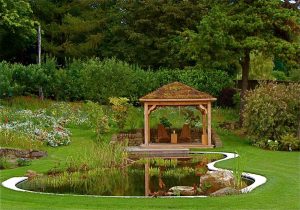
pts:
[178, 94]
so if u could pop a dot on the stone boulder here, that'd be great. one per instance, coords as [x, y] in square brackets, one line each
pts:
[37, 154]
[216, 180]
[226, 191]
[183, 190]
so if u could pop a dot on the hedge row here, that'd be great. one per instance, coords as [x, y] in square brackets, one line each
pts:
[98, 80]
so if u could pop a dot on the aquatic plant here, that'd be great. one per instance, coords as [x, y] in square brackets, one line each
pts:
[237, 172]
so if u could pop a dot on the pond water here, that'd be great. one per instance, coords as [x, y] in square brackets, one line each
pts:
[142, 177]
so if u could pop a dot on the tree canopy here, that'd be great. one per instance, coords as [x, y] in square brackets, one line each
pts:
[17, 28]
[233, 29]
[168, 33]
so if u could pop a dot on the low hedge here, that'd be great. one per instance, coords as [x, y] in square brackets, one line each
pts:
[98, 80]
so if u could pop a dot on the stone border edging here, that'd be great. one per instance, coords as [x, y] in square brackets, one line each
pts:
[258, 180]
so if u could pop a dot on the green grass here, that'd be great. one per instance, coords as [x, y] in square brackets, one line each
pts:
[282, 169]
[282, 190]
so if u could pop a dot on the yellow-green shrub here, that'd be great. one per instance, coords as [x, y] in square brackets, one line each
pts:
[272, 110]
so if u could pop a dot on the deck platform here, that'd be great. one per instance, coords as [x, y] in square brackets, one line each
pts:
[150, 152]
[176, 146]
[165, 149]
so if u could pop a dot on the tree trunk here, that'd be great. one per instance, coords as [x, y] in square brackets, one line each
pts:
[245, 63]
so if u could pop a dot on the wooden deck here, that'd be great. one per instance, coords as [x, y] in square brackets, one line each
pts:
[176, 146]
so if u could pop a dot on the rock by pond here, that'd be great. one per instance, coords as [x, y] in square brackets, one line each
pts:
[216, 180]
[183, 190]
[226, 191]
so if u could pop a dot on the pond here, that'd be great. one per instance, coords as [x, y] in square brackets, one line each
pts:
[155, 176]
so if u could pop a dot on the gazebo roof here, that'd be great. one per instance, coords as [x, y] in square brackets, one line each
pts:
[177, 91]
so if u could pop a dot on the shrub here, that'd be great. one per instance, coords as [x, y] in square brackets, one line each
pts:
[97, 118]
[273, 145]
[97, 80]
[207, 80]
[279, 75]
[165, 122]
[272, 110]
[107, 78]
[295, 75]
[4, 163]
[8, 86]
[120, 109]
[23, 162]
[289, 142]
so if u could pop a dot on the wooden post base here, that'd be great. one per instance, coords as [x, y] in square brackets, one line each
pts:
[204, 139]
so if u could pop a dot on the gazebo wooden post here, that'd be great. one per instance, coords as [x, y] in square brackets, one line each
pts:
[204, 123]
[146, 124]
[209, 123]
[204, 133]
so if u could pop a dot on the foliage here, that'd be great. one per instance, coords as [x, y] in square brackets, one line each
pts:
[165, 122]
[190, 117]
[23, 162]
[272, 110]
[238, 171]
[289, 142]
[279, 75]
[17, 28]
[16, 140]
[134, 120]
[295, 75]
[272, 145]
[8, 87]
[26, 102]
[206, 80]
[34, 124]
[88, 172]
[4, 163]
[136, 32]
[97, 80]
[102, 79]
[261, 66]
[120, 109]
[97, 119]
[231, 30]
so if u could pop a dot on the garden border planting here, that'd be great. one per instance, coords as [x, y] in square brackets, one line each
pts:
[258, 180]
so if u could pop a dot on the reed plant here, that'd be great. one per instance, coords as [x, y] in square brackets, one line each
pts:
[95, 170]
[12, 139]
[237, 172]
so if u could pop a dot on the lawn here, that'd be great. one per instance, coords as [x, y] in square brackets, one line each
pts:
[282, 190]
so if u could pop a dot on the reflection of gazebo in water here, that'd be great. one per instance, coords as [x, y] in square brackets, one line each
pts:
[178, 94]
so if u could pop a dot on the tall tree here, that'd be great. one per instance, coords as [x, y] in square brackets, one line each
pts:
[72, 28]
[139, 32]
[17, 29]
[233, 29]
[144, 32]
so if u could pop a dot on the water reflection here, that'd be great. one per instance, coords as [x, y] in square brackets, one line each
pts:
[142, 177]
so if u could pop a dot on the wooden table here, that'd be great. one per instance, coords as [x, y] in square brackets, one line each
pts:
[174, 138]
